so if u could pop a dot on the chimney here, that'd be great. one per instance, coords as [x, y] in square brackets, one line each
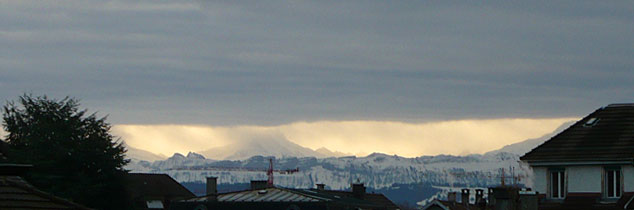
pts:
[212, 183]
[259, 184]
[479, 196]
[505, 198]
[480, 202]
[451, 197]
[358, 190]
[465, 197]
[491, 198]
[528, 200]
[321, 187]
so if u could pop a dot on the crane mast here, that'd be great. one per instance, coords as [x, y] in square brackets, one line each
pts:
[269, 173]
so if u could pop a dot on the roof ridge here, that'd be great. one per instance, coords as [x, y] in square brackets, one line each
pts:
[621, 105]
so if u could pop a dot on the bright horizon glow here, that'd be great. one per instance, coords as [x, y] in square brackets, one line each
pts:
[456, 137]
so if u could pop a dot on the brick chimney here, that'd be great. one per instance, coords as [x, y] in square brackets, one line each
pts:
[505, 198]
[212, 185]
[451, 197]
[358, 190]
[321, 187]
[528, 200]
[465, 197]
[479, 197]
[490, 198]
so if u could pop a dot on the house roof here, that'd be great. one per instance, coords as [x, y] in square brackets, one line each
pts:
[15, 193]
[448, 205]
[142, 185]
[607, 134]
[264, 195]
[277, 194]
[373, 198]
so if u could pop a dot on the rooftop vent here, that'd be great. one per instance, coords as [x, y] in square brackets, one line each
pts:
[591, 122]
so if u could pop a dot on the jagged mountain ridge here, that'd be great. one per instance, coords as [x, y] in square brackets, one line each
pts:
[376, 170]
[244, 149]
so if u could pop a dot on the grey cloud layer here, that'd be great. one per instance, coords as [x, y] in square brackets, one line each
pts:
[275, 62]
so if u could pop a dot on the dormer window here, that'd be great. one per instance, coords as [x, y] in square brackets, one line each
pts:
[591, 122]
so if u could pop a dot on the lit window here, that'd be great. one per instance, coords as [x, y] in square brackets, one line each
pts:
[591, 122]
[557, 184]
[613, 182]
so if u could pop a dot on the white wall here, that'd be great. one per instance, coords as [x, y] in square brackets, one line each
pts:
[540, 179]
[584, 178]
[628, 178]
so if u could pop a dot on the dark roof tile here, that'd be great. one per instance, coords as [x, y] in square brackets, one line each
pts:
[15, 193]
[155, 185]
[611, 137]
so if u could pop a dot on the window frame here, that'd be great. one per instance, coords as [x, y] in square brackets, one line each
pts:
[562, 186]
[617, 182]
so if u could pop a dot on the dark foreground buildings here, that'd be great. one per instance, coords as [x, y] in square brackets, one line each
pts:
[154, 191]
[262, 196]
[588, 166]
[17, 193]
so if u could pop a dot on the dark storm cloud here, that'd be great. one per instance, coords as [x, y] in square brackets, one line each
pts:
[273, 62]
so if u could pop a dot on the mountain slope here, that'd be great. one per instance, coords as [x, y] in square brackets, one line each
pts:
[525, 146]
[327, 153]
[268, 146]
[139, 154]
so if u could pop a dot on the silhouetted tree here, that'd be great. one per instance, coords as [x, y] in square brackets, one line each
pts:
[73, 154]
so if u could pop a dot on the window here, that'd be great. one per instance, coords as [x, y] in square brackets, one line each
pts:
[557, 184]
[612, 182]
[154, 204]
[591, 122]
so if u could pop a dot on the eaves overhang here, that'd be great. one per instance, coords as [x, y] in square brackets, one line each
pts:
[534, 163]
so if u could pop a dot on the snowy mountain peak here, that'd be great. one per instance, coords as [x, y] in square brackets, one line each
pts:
[277, 146]
[378, 154]
[193, 155]
[177, 156]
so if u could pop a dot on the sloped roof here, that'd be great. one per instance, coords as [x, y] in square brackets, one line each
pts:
[276, 194]
[271, 194]
[15, 193]
[448, 205]
[607, 134]
[155, 185]
[368, 198]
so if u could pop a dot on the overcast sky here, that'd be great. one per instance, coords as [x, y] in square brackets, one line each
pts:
[233, 63]
[257, 62]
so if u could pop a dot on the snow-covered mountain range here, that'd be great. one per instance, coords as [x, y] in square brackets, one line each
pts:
[392, 175]
[430, 176]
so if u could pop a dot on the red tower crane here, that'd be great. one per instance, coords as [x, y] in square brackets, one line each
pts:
[269, 173]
